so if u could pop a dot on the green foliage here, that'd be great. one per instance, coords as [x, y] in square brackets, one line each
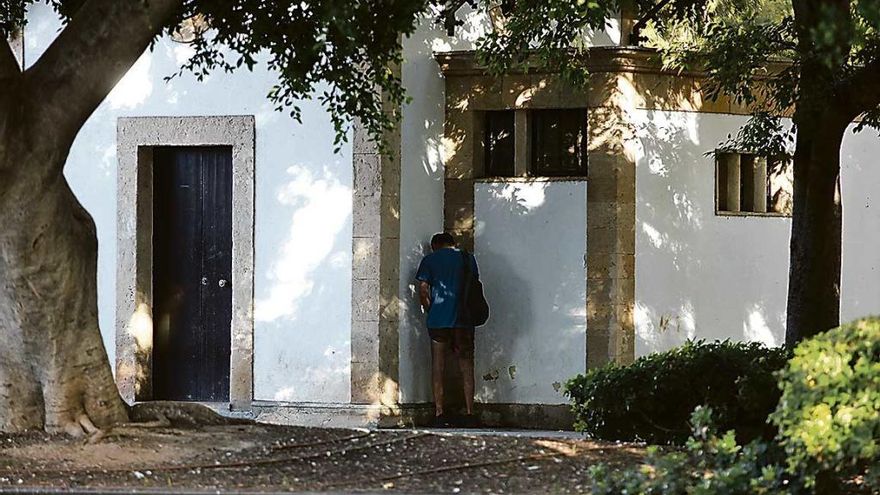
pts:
[710, 464]
[760, 52]
[828, 421]
[652, 399]
[352, 45]
[548, 31]
[829, 413]
[764, 134]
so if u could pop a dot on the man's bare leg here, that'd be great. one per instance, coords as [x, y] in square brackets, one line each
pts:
[464, 343]
[438, 364]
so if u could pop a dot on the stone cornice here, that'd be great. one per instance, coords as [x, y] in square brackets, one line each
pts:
[599, 59]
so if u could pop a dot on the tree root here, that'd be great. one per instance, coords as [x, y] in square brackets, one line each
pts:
[163, 414]
[146, 415]
[81, 427]
[87, 425]
[128, 429]
[180, 414]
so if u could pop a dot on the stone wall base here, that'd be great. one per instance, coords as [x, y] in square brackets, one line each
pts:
[339, 415]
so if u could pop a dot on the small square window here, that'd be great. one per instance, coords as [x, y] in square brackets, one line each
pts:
[498, 143]
[558, 142]
[750, 183]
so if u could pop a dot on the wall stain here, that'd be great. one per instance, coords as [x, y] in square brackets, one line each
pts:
[491, 376]
[664, 322]
[511, 370]
[556, 386]
[669, 322]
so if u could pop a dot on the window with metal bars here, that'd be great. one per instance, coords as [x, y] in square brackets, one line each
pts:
[750, 183]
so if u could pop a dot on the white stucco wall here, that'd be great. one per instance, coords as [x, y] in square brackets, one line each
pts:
[303, 213]
[699, 275]
[531, 242]
[303, 206]
[860, 270]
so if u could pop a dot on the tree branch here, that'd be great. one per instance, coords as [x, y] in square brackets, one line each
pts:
[862, 92]
[651, 14]
[80, 68]
[8, 63]
[10, 86]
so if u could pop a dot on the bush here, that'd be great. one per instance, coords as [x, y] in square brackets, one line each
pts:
[652, 399]
[709, 464]
[829, 413]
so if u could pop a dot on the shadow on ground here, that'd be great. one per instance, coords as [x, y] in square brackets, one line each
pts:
[266, 458]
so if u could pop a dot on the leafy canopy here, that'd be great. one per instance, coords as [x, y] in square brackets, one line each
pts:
[354, 44]
[735, 42]
[350, 44]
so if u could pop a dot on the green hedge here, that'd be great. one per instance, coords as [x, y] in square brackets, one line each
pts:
[829, 413]
[828, 440]
[652, 399]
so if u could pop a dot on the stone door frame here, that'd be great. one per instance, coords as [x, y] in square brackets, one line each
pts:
[136, 138]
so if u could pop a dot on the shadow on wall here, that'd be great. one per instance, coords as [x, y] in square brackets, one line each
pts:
[700, 275]
[300, 359]
[499, 344]
[415, 347]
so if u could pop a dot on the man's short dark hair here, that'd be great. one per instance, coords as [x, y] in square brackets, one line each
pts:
[443, 239]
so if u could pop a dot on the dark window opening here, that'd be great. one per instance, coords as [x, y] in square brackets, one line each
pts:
[499, 144]
[558, 143]
[722, 186]
[752, 184]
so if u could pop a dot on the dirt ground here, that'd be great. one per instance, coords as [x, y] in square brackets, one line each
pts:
[264, 458]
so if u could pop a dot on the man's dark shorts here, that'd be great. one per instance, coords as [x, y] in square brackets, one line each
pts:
[444, 335]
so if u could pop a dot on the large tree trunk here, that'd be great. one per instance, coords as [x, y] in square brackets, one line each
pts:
[54, 372]
[814, 269]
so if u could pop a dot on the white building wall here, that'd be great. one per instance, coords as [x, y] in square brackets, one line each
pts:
[531, 242]
[703, 276]
[860, 271]
[303, 212]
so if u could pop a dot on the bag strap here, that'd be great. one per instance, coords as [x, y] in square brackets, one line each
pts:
[466, 262]
[466, 281]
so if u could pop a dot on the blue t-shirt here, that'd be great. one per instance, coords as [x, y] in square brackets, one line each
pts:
[443, 271]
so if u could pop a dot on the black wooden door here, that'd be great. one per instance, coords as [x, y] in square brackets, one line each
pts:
[192, 272]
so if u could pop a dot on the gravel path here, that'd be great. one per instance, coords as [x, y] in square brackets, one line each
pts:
[266, 458]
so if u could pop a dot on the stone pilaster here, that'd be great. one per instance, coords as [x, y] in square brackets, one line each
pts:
[463, 151]
[611, 190]
[375, 270]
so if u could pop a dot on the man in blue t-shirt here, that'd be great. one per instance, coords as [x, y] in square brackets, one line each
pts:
[440, 278]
